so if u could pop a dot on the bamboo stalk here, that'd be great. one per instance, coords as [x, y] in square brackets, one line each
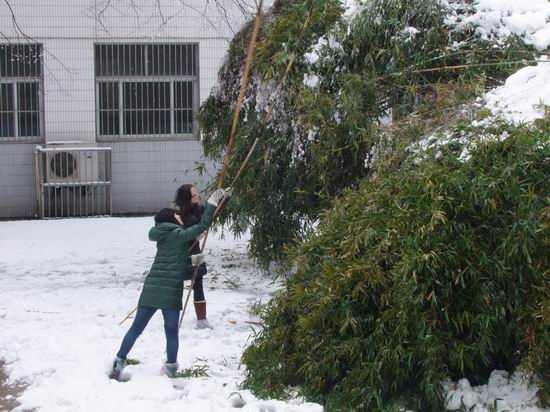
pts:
[234, 128]
[232, 185]
[231, 141]
[244, 82]
[464, 66]
[128, 316]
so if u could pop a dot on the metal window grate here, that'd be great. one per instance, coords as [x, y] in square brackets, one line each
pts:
[121, 60]
[73, 181]
[20, 60]
[146, 90]
[20, 92]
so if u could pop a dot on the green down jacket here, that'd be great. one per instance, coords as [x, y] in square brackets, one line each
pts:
[163, 287]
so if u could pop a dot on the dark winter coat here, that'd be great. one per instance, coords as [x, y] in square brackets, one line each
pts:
[163, 287]
[190, 219]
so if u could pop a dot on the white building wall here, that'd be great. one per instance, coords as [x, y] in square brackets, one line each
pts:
[145, 173]
[17, 190]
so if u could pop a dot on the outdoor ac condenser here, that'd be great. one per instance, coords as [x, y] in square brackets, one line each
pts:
[69, 163]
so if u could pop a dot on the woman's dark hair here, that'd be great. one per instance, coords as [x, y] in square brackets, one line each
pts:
[183, 199]
[166, 216]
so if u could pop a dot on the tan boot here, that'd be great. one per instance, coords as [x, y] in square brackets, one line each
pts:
[200, 310]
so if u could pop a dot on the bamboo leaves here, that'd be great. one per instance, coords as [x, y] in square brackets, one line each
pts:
[415, 278]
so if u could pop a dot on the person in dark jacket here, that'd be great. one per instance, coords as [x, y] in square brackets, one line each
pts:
[189, 208]
[163, 286]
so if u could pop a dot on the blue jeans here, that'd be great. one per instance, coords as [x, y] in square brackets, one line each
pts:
[143, 316]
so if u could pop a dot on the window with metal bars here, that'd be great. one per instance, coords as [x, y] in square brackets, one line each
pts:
[21, 92]
[146, 90]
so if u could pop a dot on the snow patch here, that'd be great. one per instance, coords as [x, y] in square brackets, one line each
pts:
[352, 8]
[410, 32]
[311, 80]
[499, 19]
[507, 393]
[521, 98]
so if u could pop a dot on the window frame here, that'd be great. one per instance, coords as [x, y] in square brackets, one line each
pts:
[122, 79]
[15, 81]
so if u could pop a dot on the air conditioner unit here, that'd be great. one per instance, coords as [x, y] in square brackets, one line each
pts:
[71, 163]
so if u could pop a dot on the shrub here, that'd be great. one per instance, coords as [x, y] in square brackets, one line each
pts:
[439, 270]
[315, 138]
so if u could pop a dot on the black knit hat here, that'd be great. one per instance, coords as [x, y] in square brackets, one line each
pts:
[166, 216]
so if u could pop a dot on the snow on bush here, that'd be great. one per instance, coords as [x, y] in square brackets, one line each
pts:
[499, 19]
[522, 97]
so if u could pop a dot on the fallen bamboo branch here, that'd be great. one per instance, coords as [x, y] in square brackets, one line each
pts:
[128, 316]
[464, 66]
[250, 322]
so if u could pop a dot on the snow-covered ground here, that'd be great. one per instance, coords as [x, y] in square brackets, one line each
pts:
[66, 285]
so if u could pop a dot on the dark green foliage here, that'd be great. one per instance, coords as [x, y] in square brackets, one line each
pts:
[199, 371]
[315, 138]
[287, 35]
[438, 270]
[130, 361]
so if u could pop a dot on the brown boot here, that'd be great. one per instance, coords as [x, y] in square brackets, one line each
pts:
[200, 310]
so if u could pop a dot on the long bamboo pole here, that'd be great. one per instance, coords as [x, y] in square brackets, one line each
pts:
[220, 205]
[231, 141]
[232, 132]
[244, 83]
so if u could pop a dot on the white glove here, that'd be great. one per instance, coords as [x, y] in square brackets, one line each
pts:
[228, 191]
[215, 197]
[197, 259]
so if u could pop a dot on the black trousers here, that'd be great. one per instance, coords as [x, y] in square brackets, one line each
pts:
[198, 290]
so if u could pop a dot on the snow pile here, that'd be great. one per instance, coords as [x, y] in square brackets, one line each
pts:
[502, 393]
[499, 19]
[521, 98]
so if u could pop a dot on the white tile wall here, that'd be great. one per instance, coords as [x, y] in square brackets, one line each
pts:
[145, 174]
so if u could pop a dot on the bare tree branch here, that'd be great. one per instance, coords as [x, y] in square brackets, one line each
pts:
[160, 13]
[224, 16]
[100, 16]
[133, 5]
[5, 37]
[30, 39]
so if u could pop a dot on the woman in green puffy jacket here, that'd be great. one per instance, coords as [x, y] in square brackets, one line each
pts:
[163, 286]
